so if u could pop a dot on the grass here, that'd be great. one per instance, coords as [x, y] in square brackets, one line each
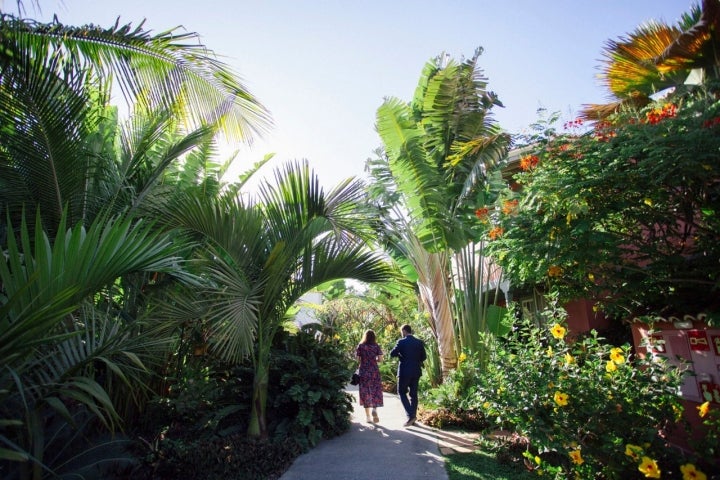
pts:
[480, 465]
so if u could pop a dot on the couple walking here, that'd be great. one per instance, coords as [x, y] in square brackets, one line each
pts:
[411, 352]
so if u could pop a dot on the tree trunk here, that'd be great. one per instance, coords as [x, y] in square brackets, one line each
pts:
[434, 288]
[258, 421]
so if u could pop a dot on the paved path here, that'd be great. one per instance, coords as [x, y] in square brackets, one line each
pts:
[385, 450]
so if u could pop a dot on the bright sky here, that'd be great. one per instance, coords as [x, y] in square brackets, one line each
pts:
[323, 67]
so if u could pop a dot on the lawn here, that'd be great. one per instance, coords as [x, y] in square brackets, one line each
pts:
[480, 465]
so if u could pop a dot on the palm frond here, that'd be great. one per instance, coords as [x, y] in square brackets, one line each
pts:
[689, 50]
[40, 275]
[158, 69]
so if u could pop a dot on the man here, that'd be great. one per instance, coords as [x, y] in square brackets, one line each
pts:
[411, 352]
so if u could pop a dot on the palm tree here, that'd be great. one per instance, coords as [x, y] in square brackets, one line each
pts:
[54, 341]
[657, 56]
[55, 82]
[439, 149]
[261, 257]
[63, 155]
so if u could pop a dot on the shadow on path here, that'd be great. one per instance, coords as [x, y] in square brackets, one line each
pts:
[379, 451]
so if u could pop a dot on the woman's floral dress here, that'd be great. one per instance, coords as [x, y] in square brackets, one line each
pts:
[371, 394]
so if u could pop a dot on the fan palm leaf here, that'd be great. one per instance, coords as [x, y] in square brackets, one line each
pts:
[269, 252]
[55, 82]
[657, 56]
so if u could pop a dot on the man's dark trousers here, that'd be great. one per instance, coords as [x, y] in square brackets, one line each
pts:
[411, 352]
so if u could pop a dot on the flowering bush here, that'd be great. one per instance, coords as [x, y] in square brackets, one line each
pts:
[707, 446]
[582, 404]
[626, 212]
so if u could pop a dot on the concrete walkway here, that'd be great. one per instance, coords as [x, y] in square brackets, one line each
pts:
[385, 450]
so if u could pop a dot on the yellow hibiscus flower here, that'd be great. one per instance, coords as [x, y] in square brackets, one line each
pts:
[689, 472]
[704, 409]
[569, 359]
[576, 457]
[617, 356]
[558, 331]
[633, 451]
[561, 398]
[649, 468]
[610, 366]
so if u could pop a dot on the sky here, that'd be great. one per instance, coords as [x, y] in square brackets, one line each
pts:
[323, 67]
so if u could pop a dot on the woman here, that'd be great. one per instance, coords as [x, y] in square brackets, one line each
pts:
[371, 394]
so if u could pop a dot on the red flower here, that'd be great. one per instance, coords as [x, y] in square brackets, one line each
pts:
[603, 131]
[577, 123]
[656, 115]
[711, 122]
[482, 213]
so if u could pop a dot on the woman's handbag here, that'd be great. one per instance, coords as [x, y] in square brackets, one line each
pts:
[355, 380]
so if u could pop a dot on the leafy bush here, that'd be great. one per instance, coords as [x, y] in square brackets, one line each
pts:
[198, 430]
[588, 408]
[626, 212]
[307, 400]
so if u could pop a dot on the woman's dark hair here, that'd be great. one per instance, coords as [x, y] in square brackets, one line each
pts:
[368, 337]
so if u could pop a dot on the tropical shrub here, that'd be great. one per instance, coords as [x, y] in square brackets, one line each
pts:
[308, 400]
[191, 432]
[588, 408]
[626, 211]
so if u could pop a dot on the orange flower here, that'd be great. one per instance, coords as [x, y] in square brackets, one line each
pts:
[656, 115]
[554, 271]
[529, 162]
[495, 232]
[576, 457]
[703, 409]
[509, 206]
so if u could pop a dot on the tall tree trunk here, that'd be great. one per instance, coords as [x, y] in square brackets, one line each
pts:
[435, 292]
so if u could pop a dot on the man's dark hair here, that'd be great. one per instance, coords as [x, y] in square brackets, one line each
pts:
[406, 328]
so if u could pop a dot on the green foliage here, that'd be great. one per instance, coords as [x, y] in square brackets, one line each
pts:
[482, 465]
[627, 212]
[458, 392]
[345, 320]
[307, 396]
[196, 431]
[582, 397]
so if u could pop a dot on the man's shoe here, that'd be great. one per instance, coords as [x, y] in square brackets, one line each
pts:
[409, 423]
